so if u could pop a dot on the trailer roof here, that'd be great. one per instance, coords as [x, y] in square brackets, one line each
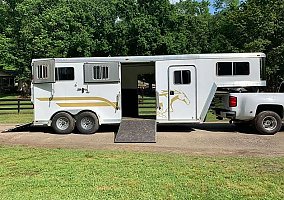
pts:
[130, 59]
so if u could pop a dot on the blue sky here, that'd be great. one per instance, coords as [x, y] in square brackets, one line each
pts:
[211, 8]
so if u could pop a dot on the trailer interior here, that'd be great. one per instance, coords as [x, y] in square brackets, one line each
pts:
[138, 90]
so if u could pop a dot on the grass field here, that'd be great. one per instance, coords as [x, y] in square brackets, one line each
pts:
[28, 173]
[16, 118]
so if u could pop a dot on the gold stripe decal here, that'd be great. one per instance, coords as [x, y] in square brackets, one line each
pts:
[104, 102]
[83, 104]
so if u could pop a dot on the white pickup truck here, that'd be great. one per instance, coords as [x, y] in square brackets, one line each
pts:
[262, 110]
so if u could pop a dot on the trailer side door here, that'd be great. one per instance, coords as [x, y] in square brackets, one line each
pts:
[182, 93]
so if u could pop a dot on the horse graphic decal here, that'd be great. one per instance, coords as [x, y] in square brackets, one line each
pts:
[179, 96]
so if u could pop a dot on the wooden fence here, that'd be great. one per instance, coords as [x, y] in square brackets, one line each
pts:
[15, 104]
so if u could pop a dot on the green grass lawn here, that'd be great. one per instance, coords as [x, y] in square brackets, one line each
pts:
[28, 173]
[16, 118]
[8, 96]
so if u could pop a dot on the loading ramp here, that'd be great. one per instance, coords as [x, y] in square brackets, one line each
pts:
[136, 130]
[19, 127]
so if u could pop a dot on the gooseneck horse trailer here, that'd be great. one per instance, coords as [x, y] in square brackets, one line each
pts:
[88, 92]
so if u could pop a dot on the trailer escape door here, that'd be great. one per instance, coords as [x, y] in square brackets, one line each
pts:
[182, 93]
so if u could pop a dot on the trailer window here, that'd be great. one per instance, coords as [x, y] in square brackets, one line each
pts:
[182, 77]
[42, 72]
[224, 68]
[262, 69]
[64, 73]
[104, 72]
[241, 68]
[101, 72]
[232, 68]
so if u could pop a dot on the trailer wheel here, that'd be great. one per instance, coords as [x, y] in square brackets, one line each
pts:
[63, 123]
[268, 122]
[87, 123]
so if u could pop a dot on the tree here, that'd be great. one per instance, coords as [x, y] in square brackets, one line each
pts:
[46, 28]
[220, 5]
[256, 26]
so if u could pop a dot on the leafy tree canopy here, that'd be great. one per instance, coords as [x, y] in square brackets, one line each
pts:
[72, 28]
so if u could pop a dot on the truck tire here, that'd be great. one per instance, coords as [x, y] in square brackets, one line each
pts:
[268, 122]
[87, 123]
[63, 123]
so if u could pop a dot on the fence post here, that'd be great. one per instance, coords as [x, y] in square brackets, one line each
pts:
[19, 102]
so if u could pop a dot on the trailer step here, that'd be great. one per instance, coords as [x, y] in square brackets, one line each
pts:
[19, 127]
[133, 130]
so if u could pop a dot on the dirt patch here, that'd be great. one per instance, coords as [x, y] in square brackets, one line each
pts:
[203, 139]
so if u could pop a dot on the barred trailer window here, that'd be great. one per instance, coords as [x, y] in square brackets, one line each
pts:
[101, 72]
[42, 72]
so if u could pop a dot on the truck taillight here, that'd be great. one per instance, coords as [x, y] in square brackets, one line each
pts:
[233, 101]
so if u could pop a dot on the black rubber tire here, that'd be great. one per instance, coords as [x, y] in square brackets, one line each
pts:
[63, 123]
[87, 122]
[270, 119]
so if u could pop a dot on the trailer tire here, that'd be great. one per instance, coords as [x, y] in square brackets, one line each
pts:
[63, 123]
[268, 122]
[87, 122]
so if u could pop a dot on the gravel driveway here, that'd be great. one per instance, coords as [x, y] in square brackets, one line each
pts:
[202, 139]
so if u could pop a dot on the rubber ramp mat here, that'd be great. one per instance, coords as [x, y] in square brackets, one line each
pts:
[132, 130]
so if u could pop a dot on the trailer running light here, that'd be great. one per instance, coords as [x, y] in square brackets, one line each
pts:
[232, 101]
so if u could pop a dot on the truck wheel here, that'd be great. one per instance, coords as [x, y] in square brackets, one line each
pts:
[63, 123]
[87, 123]
[268, 122]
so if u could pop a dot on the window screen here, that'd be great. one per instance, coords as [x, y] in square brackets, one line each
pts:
[64, 73]
[224, 68]
[182, 77]
[241, 68]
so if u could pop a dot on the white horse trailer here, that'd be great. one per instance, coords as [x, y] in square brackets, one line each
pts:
[88, 92]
